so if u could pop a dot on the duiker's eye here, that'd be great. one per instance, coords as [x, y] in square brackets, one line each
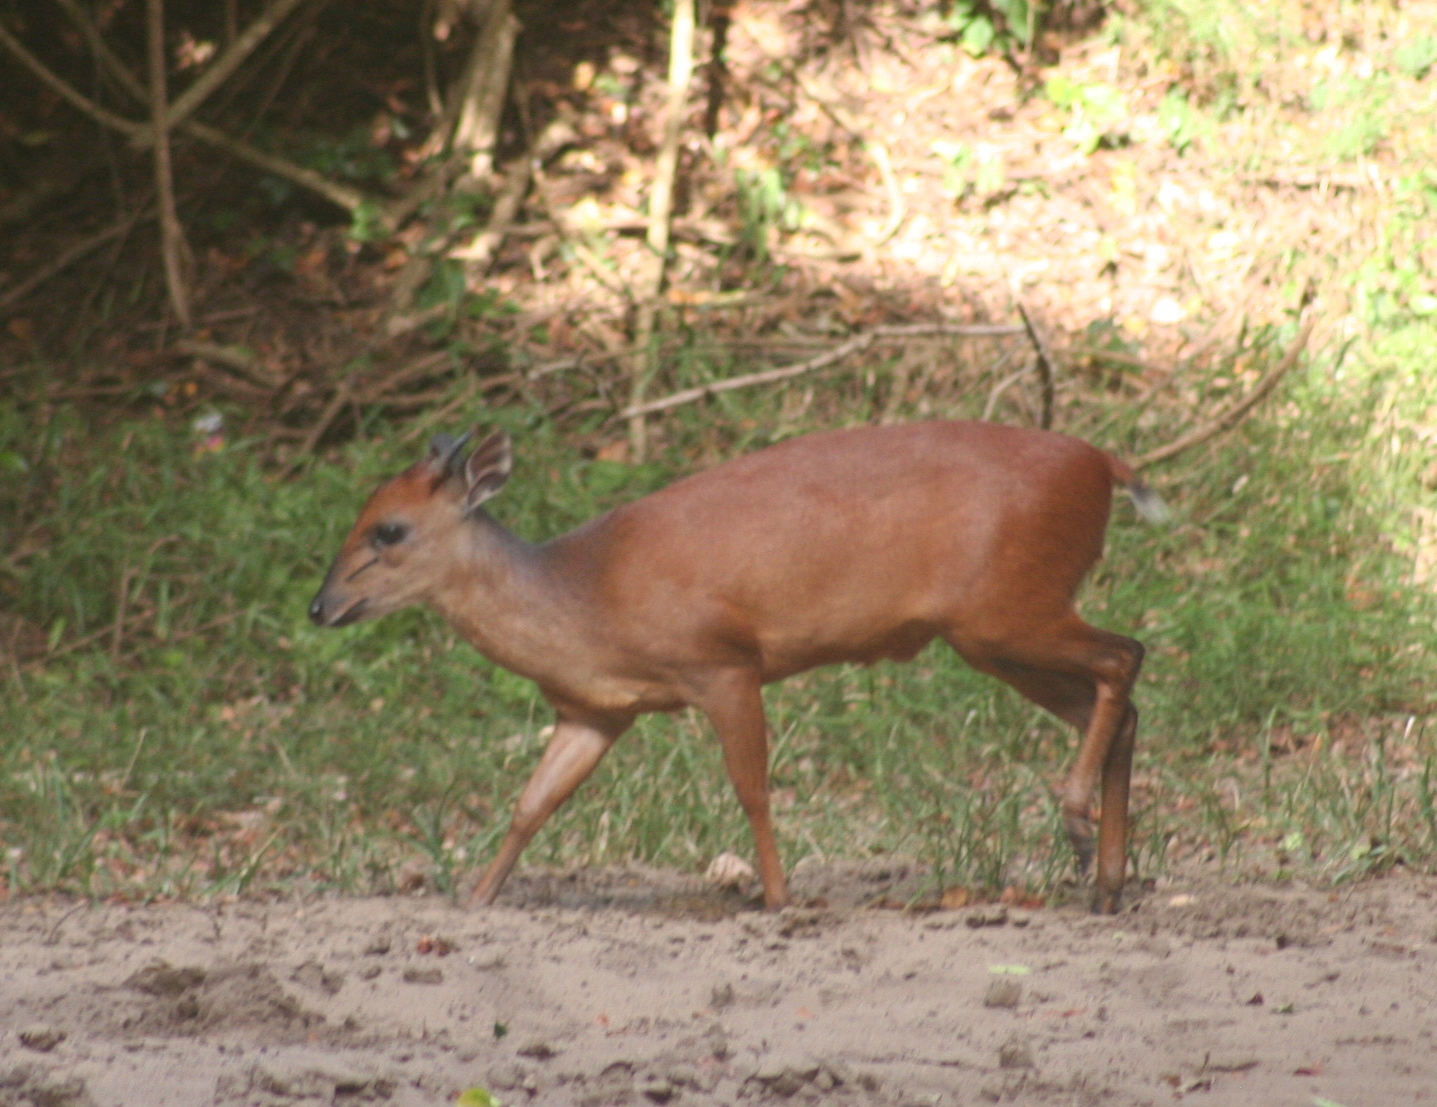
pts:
[389, 534]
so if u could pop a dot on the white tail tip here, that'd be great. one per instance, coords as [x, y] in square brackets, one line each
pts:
[1150, 505]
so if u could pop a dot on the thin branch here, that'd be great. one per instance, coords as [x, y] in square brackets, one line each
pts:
[720, 17]
[854, 345]
[681, 65]
[1115, 358]
[69, 257]
[172, 235]
[76, 100]
[431, 74]
[112, 64]
[480, 252]
[1238, 411]
[1046, 370]
[342, 395]
[122, 597]
[220, 70]
[1002, 386]
[897, 209]
[413, 370]
[341, 195]
[234, 358]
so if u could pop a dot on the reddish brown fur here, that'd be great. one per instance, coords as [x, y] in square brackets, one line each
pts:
[854, 545]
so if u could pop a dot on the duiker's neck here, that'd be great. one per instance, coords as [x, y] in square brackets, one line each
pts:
[504, 597]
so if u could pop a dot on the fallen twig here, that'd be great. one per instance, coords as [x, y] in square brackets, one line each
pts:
[419, 367]
[240, 361]
[480, 252]
[1116, 358]
[854, 345]
[342, 395]
[1002, 386]
[1046, 369]
[1236, 413]
[897, 209]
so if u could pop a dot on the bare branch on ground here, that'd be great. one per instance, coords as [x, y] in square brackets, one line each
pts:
[876, 150]
[856, 344]
[481, 250]
[233, 358]
[1046, 368]
[1238, 411]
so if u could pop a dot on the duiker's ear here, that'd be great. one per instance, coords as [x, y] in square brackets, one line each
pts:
[487, 469]
[444, 451]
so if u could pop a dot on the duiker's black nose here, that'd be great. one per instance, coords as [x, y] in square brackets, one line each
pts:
[316, 611]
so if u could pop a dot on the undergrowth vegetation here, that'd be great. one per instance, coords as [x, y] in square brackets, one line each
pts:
[190, 732]
[174, 726]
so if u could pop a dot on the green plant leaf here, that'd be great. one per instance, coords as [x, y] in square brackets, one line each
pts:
[978, 36]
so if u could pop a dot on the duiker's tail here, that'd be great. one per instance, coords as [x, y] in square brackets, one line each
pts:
[1149, 504]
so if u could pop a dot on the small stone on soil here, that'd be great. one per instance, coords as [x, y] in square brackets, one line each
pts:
[42, 1039]
[423, 976]
[315, 977]
[160, 978]
[987, 916]
[1003, 992]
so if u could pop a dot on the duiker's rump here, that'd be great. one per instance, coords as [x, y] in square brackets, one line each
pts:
[852, 545]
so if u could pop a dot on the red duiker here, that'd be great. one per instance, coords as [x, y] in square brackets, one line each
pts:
[854, 545]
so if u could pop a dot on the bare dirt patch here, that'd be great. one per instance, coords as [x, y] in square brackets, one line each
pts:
[636, 987]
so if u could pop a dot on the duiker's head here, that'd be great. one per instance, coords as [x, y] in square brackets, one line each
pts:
[402, 545]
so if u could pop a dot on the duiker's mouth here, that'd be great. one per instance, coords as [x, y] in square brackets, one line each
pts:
[352, 614]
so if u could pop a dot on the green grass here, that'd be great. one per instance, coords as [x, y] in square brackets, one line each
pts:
[212, 740]
[188, 733]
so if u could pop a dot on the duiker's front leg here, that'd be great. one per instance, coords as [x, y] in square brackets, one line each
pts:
[572, 754]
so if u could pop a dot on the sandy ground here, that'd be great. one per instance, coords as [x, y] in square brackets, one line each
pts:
[639, 987]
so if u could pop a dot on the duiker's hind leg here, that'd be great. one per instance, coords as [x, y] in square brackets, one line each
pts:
[1084, 676]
